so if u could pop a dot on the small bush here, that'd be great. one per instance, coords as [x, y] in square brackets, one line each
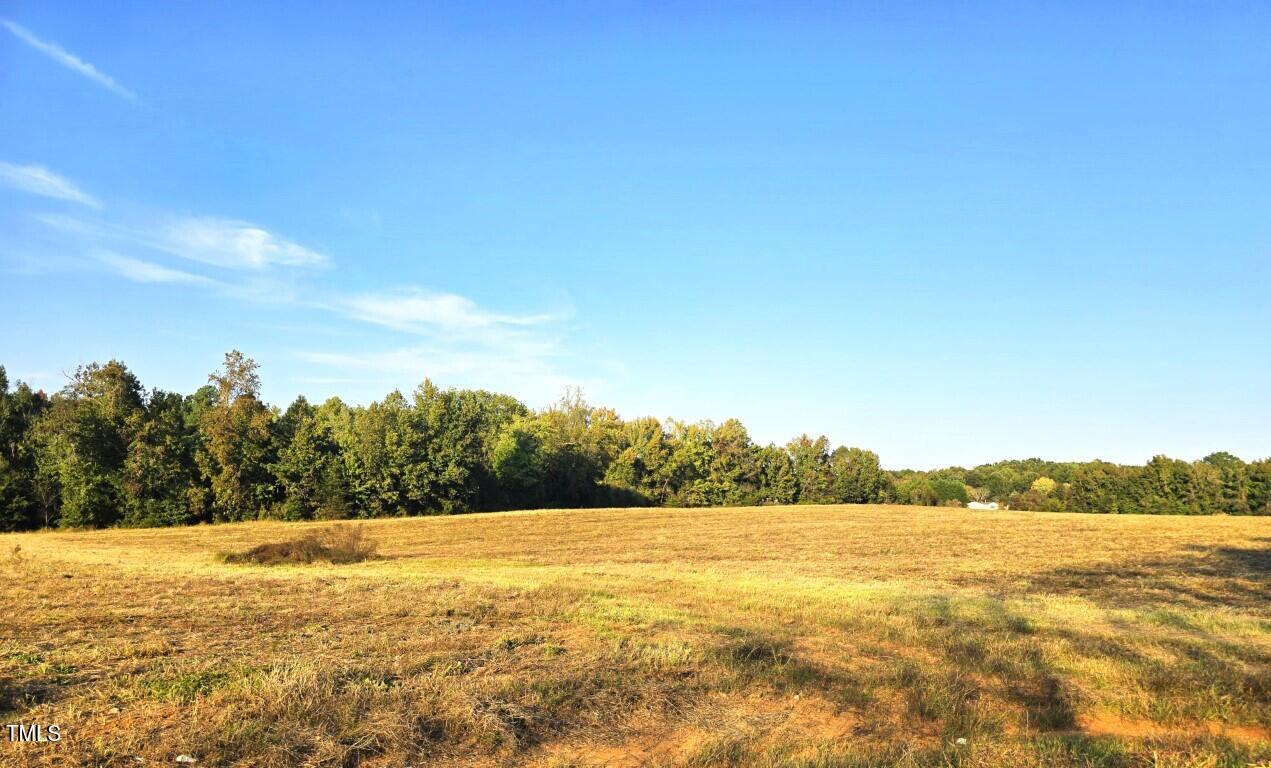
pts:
[338, 544]
[749, 648]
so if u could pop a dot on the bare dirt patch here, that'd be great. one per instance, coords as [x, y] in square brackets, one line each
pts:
[1107, 724]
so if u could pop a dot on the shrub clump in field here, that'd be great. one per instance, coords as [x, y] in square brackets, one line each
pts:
[338, 544]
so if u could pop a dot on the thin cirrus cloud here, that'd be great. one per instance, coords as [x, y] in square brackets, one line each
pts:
[464, 337]
[462, 342]
[232, 244]
[141, 271]
[418, 311]
[258, 290]
[67, 59]
[228, 244]
[37, 180]
[456, 338]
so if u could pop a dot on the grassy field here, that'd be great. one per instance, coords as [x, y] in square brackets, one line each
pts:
[776, 636]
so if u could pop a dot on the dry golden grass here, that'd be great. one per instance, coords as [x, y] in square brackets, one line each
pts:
[338, 544]
[776, 636]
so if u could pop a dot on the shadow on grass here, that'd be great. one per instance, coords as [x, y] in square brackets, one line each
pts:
[1256, 561]
[755, 656]
[18, 696]
[985, 638]
[1236, 577]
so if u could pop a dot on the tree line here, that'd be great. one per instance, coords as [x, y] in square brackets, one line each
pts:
[106, 451]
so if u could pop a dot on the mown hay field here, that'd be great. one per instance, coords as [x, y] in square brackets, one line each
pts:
[773, 636]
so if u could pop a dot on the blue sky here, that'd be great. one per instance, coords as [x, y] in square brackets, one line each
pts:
[947, 234]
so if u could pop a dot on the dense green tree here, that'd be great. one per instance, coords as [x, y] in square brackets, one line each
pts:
[102, 451]
[236, 445]
[735, 470]
[778, 483]
[1001, 482]
[376, 454]
[1164, 487]
[1259, 494]
[310, 473]
[1233, 482]
[87, 433]
[160, 479]
[689, 465]
[578, 442]
[338, 419]
[450, 438]
[283, 428]
[1099, 486]
[811, 464]
[517, 462]
[947, 489]
[20, 506]
[643, 461]
[857, 477]
[914, 488]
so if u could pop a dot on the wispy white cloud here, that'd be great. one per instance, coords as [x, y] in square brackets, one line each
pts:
[456, 339]
[418, 311]
[141, 271]
[67, 59]
[38, 180]
[225, 243]
[232, 244]
[462, 343]
[462, 340]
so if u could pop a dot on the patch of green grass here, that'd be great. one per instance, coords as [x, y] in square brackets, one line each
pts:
[552, 650]
[513, 641]
[25, 657]
[185, 687]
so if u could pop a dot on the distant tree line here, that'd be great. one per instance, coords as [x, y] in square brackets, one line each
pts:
[105, 451]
